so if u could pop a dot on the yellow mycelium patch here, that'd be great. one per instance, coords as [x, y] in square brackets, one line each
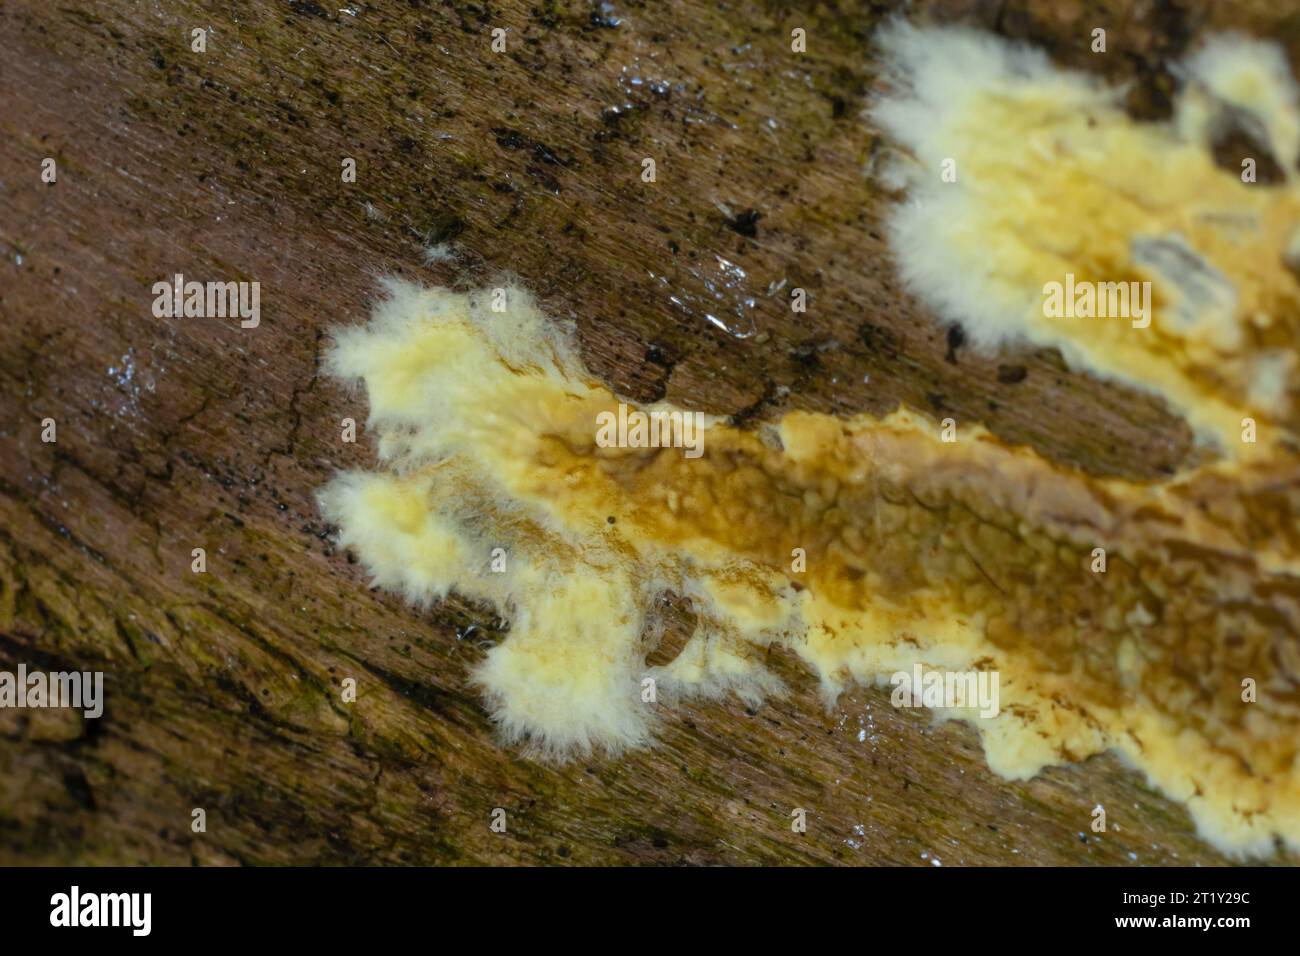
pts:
[1053, 178]
[967, 555]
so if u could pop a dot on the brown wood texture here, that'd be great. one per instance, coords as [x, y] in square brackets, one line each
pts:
[223, 689]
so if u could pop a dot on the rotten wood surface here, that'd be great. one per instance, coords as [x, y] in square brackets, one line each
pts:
[224, 688]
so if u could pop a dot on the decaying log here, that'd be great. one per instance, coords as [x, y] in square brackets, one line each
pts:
[224, 687]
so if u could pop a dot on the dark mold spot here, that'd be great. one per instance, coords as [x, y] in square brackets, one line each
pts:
[515, 140]
[956, 339]
[308, 8]
[745, 223]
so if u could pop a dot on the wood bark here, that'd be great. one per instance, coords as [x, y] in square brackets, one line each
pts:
[223, 689]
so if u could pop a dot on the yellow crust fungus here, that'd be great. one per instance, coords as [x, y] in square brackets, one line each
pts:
[867, 546]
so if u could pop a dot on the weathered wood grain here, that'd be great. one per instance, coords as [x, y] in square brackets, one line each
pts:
[223, 688]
